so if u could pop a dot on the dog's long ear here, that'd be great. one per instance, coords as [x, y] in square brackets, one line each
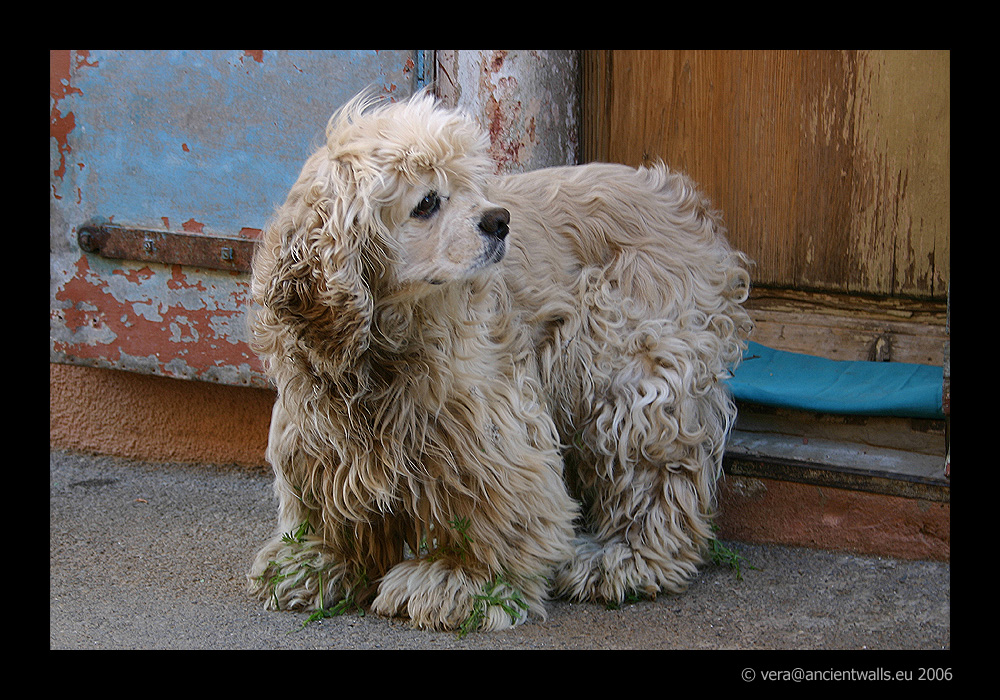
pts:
[309, 276]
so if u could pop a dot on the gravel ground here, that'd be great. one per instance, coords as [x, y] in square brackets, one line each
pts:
[153, 556]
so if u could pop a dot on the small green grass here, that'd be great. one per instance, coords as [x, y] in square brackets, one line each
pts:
[271, 577]
[720, 554]
[512, 603]
[458, 549]
[632, 596]
[298, 534]
[342, 607]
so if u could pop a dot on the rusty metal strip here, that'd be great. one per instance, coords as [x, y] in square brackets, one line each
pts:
[168, 247]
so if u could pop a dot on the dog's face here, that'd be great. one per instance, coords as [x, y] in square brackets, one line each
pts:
[421, 172]
[392, 207]
[444, 232]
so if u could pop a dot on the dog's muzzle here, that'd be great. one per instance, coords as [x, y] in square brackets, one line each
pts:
[494, 224]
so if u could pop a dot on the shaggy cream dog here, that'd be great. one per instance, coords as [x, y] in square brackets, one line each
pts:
[490, 390]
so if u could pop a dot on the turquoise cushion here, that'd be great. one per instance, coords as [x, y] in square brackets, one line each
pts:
[803, 382]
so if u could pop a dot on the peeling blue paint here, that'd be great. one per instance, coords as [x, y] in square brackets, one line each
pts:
[200, 141]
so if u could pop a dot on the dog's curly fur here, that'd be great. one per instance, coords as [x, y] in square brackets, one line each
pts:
[454, 403]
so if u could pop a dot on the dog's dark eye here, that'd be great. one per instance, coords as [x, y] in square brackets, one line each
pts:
[428, 205]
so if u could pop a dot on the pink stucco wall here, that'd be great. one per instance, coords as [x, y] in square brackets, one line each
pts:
[148, 417]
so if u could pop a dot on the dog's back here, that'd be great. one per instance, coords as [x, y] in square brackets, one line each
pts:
[648, 229]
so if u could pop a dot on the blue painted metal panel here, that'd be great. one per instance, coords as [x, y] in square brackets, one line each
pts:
[197, 141]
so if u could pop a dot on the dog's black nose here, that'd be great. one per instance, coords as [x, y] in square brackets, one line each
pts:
[494, 223]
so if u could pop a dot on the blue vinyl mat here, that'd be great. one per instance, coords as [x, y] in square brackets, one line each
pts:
[808, 383]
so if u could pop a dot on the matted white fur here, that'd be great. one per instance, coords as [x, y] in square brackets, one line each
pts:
[469, 421]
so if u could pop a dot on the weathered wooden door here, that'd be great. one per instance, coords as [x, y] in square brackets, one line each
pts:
[831, 168]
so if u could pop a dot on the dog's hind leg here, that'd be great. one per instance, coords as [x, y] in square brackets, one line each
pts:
[645, 462]
[642, 539]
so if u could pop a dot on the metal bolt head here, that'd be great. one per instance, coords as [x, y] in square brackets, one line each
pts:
[86, 240]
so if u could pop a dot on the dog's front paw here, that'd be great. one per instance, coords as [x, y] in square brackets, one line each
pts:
[612, 571]
[438, 595]
[296, 572]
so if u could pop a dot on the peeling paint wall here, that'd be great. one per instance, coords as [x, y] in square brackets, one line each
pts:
[204, 142]
[528, 101]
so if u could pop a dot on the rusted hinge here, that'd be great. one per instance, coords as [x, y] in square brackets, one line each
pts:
[168, 247]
